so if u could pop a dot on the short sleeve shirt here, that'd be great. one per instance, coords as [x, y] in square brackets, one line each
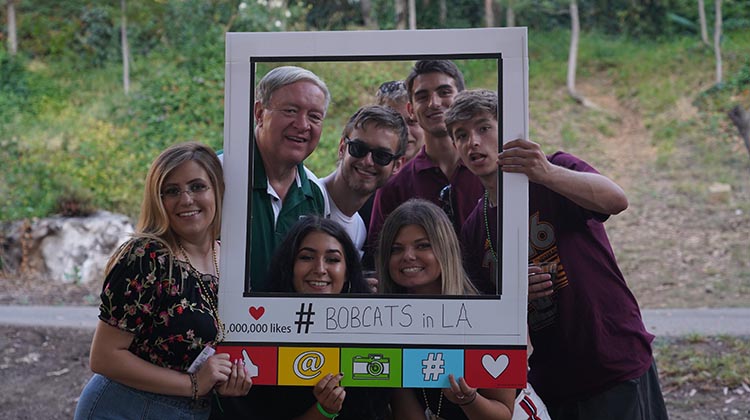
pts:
[267, 231]
[595, 337]
[163, 302]
[422, 178]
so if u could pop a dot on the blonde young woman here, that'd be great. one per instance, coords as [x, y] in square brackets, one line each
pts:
[418, 253]
[158, 311]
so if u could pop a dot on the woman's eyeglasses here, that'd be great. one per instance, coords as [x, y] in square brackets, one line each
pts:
[192, 189]
[359, 149]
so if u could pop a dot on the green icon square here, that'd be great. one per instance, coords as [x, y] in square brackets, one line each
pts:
[371, 367]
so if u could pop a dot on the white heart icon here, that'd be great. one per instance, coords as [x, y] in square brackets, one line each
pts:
[495, 366]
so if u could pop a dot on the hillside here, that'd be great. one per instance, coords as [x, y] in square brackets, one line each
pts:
[661, 131]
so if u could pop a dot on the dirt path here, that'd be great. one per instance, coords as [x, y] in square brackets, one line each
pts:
[676, 246]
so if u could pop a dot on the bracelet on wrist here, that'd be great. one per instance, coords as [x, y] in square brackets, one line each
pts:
[473, 398]
[194, 384]
[325, 413]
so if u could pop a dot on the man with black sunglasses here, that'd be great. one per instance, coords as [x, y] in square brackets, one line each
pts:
[370, 151]
[431, 86]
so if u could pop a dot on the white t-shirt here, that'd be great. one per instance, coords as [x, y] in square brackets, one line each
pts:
[353, 225]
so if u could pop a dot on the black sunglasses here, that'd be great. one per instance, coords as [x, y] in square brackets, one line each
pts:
[446, 201]
[358, 149]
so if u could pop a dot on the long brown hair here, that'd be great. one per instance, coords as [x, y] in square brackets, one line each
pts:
[439, 229]
[153, 222]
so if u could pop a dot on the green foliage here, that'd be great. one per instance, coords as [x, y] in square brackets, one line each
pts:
[328, 15]
[459, 14]
[259, 17]
[67, 130]
[14, 88]
[97, 37]
[645, 19]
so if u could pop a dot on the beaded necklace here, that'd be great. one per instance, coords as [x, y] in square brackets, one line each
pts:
[427, 412]
[203, 289]
[488, 243]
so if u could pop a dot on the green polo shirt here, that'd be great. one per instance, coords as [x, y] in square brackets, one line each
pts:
[304, 197]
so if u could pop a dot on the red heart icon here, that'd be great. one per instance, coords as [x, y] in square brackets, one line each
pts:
[257, 312]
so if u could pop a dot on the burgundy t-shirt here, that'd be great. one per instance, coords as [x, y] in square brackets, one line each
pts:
[593, 337]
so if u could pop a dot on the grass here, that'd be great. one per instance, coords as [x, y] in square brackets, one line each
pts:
[703, 362]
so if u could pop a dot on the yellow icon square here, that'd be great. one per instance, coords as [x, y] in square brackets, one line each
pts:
[306, 366]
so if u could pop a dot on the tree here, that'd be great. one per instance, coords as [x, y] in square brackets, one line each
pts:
[12, 39]
[400, 14]
[510, 15]
[573, 56]
[125, 50]
[443, 13]
[412, 14]
[717, 41]
[702, 19]
[489, 15]
[575, 29]
[741, 120]
[366, 7]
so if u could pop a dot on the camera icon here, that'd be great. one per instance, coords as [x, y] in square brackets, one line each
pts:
[372, 366]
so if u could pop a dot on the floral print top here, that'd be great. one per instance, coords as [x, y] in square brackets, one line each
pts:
[156, 297]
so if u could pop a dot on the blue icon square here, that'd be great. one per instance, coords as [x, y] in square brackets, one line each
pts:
[429, 368]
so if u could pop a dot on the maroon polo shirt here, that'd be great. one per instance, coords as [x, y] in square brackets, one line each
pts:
[422, 178]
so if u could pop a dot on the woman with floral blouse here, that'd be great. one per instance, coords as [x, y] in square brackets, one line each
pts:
[158, 312]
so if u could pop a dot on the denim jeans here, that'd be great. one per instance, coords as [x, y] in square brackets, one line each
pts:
[103, 398]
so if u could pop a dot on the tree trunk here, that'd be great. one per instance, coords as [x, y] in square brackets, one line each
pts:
[443, 16]
[510, 15]
[741, 120]
[125, 50]
[412, 14]
[400, 14]
[489, 15]
[717, 41]
[12, 38]
[702, 19]
[366, 7]
[575, 29]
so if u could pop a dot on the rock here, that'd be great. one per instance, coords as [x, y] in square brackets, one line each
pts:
[66, 249]
[719, 193]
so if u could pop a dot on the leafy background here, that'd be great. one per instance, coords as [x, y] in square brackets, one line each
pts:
[68, 132]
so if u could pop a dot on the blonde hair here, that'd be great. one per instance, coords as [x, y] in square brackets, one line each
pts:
[153, 223]
[443, 240]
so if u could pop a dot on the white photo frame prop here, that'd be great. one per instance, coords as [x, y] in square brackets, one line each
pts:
[376, 340]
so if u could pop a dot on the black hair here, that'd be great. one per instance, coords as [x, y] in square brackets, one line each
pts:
[282, 263]
[446, 67]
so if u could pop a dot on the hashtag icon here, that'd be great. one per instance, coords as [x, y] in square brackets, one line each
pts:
[433, 366]
[304, 318]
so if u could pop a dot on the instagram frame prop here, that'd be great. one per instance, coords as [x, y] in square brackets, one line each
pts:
[376, 340]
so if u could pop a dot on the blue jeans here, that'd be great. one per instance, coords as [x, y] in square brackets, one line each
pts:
[103, 398]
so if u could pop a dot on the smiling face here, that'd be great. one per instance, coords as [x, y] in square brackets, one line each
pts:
[476, 142]
[289, 126]
[412, 263]
[190, 214]
[433, 94]
[363, 175]
[320, 265]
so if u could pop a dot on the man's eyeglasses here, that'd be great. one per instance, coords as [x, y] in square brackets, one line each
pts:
[192, 189]
[359, 149]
